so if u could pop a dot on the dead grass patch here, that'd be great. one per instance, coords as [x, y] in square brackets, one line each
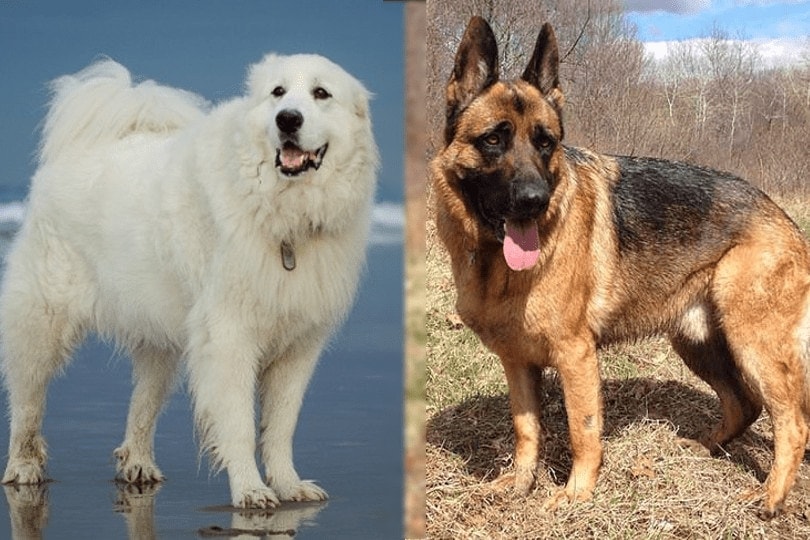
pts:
[649, 487]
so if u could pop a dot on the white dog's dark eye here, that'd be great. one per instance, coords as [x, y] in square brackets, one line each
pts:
[278, 91]
[321, 93]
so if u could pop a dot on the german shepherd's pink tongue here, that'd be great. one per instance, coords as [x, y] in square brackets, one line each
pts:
[521, 245]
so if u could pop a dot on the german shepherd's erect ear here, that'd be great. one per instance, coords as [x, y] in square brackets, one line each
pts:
[543, 69]
[476, 69]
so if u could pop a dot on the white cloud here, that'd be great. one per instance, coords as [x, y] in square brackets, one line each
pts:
[776, 52]
[765, 2]
[693, 6]
[781, 51]
[670, 6]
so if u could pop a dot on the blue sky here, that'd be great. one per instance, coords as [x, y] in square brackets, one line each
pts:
[781, 28]
[662, 20]
[202, 46]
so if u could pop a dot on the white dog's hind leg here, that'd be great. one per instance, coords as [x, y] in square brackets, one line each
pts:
[281, 390]
[222, 379]
[154, 372]
[40, 327]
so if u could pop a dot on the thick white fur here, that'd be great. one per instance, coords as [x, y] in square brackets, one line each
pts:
[157, 222]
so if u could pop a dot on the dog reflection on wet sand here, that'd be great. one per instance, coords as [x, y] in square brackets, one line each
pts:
[29, 507]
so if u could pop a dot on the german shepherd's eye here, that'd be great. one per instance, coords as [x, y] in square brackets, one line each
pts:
[321, 93]
[542, 139]
[278, 91]
[493, 139]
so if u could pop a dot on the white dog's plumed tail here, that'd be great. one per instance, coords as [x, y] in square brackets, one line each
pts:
[100, 105]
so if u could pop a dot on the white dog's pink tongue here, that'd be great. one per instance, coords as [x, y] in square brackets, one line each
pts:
[521, 245]
[292, 157]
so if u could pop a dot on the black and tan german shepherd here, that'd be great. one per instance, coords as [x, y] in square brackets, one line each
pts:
[558, 250]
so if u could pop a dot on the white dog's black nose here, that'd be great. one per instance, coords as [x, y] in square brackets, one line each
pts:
[289, 121]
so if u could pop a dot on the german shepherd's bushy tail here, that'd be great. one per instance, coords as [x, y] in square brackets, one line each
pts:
[100, 104]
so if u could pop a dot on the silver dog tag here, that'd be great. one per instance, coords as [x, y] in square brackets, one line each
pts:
[287, 256]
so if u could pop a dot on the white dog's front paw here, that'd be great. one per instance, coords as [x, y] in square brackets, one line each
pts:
[26, 461]
[136, 469]
[24, 471]
[302, 490]
[259, 497]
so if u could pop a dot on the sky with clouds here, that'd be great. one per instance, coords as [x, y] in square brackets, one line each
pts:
[780, 27]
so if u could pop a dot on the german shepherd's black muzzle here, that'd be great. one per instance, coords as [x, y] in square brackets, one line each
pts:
[528, 198]
[495, 200]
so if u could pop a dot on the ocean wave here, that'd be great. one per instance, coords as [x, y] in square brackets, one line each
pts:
[11, 215]
[387, 221]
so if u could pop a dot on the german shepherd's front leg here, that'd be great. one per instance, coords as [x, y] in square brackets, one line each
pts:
[579, 372]
[523, 380]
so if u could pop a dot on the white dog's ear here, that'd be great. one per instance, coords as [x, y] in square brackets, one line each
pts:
[361, 99]
[256, 78]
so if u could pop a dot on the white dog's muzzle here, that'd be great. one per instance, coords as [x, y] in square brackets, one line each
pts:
[291, 159]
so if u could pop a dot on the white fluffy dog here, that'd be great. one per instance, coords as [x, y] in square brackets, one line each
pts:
[228, 239]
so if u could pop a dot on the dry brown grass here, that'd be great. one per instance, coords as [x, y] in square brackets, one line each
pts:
[649, 487]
